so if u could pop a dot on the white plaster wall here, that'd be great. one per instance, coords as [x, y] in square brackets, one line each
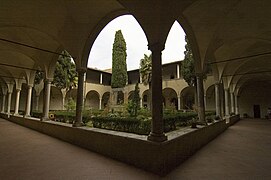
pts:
[256, 94]
[55, 99]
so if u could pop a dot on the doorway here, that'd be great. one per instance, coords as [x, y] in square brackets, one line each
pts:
[257, 111]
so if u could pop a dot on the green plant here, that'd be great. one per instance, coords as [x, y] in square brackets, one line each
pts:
[194, 123]
[70, 105]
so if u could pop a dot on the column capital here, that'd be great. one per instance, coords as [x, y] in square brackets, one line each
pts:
[81, 70]
[200, 74]
[156, 47]
[30, 85]
[18, 89]
[49, 80]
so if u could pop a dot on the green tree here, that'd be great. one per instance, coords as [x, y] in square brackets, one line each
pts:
[187, 68]
[119, 68]
[38, 77]
[65, 76]
[145, 69]
[134, 104]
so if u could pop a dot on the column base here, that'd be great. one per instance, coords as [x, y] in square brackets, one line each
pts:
[26, 116]
[157, 137]
[78, 124]
[44, 119]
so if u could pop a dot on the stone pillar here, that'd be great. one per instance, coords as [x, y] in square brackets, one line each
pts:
[232, 103]
[141, 102]
[217, 100]
[17, 102]
[222, 103]
[101, 78]
[80, 98]
[37, 102]
[178, 71]
[157, 124]
[200, 96]
[46, 100]
[100, 103]
[4, 103]
[227, 105]
[236, 105]
[9, 102]
[205, 101]
[179, 102]
[28, 102]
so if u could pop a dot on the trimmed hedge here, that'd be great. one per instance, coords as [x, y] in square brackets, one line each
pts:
[134, 125]
[125, 124]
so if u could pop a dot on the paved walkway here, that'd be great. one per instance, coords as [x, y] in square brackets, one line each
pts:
[241, 152]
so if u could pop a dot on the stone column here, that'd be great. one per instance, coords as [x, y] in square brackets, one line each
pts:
[236, 105]
[217, 100]
[178, 71]
[37, 102]
[100, 103]
[222, 103]
[17, 103]
[9, 102]
[200, 96]
[227, 105]
[28, 102]
[141, 102]
[157, 124]
[46, 100]
[4, 103]
[80, 98]
[101, 78]
[205, 101]
[232, 103]
[179, 102]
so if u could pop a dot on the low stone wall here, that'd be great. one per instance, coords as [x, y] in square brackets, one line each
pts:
[159, 158]
[233, 119]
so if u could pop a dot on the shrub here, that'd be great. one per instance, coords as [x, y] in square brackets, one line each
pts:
[128, 124]
[71, 105]
[36, 114]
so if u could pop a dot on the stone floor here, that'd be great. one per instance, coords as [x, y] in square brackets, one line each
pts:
[241, 152]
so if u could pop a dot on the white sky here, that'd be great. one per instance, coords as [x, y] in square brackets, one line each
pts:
[101, 53]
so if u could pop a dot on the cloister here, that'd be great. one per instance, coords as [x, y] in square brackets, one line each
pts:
[233, 37]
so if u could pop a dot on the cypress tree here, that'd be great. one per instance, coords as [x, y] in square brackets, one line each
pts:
[119, 68]
[188, 70]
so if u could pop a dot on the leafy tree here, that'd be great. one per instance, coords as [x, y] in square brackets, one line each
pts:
[119, 68]
[134, 104]
[65, 76]
[38, 77]
[71, 105]
[187, 68]
[145, 69]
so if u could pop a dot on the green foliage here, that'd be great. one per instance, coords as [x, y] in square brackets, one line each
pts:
[65, 76]
[70, 105]
[144, 112]
[119, 68]
[38, 77]
[134, 104]
[128, 124]
[187, 68]
[145, 69]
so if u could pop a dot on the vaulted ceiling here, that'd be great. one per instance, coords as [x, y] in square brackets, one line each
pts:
[234, 36]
